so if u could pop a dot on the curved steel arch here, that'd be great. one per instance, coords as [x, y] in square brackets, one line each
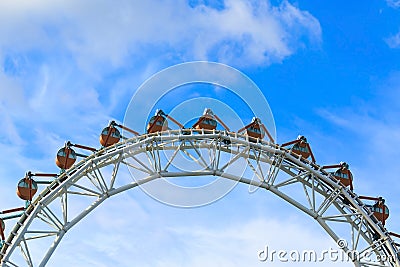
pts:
[294, 179]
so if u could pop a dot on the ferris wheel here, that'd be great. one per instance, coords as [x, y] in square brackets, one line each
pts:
[327, 197]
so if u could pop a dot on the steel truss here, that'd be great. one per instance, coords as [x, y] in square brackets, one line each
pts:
[294, 179]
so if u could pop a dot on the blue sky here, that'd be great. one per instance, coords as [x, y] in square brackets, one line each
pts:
[329, 69]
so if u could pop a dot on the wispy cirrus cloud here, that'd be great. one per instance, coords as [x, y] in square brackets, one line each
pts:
[371, 132]
[255, 32]
[393, 41]
[393, 3]
[236, 243]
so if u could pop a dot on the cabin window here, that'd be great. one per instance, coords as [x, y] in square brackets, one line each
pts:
[377, 209]
[299, 148]
[23, 183]
[380, 210]
[254, 130]
[62, 153]
[210, 122]
[115, 133]
[341, 174]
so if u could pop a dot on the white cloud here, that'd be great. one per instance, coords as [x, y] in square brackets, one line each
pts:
[54, 54]
[393, 3]
[393, 41]
[375, 132]
[374, 120]
[245, 32]
[181, 241]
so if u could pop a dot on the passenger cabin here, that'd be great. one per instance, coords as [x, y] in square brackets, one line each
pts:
[381, 211]
[110, 136]
[157, 123]
[255, 131]
[206, 122]
[342, 173]
[27, 188]
[344, 176]
[302, 149]
[209, 121]
[65, 158]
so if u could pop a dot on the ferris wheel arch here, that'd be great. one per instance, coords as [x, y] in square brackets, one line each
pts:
[269, 167]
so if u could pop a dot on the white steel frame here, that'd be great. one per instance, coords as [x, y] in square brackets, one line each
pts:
[275, 168]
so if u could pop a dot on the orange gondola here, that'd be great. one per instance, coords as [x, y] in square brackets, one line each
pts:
[343, 174]
[208, 121]
[381, 212]
[66, 157]
[301, 147]
[27, 188]
[256, 129]
[111, 135]
[159, 123]
[379, 209]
